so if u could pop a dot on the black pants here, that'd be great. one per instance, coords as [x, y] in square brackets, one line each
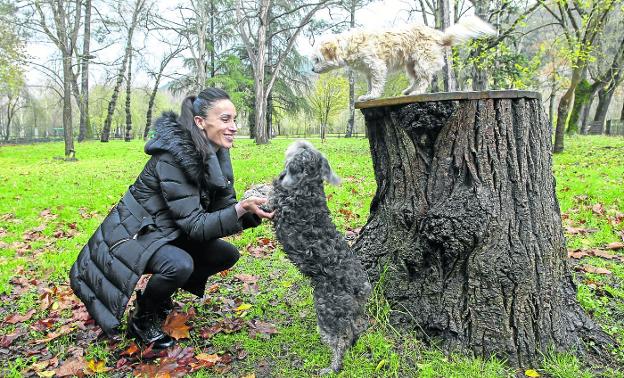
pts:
[173, 264]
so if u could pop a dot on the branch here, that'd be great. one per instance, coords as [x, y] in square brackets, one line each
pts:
[286, 51]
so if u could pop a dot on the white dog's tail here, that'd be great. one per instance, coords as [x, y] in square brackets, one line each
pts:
[466, 29]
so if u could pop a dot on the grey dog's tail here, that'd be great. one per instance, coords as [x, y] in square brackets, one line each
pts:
[467, 28]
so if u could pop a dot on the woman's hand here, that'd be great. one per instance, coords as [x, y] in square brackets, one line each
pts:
[252, 205]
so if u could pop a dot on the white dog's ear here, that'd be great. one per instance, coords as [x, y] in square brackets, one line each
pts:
[329, 50]
[328, 174]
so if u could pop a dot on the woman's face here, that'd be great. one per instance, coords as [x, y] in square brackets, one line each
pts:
[219, 125]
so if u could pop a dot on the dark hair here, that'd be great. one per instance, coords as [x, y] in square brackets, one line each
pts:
[199, 106]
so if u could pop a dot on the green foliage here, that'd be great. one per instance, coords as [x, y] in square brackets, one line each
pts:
[12, 55]
[507, 66]
[329, 97]
[235, 78]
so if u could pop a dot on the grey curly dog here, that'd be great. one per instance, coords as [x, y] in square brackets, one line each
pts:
[313, 244]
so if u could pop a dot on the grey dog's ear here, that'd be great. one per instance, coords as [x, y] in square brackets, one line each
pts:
[328, 174]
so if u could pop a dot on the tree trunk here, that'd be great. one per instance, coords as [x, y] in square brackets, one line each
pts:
[465, 230]
[122, 70]
[622, 113]
[581, 98]
[604, 100]
[585, 113]
[150, 106]
[68, 134]
[563, 111]
[447, 71]
[85, 127]
[128, 136]
[552, 101]
[351, 121]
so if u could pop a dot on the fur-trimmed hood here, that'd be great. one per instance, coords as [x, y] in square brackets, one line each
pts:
[171, 137]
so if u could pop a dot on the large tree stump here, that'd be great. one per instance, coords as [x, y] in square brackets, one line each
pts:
[466, 225]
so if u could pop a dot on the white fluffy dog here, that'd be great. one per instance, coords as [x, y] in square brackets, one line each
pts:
[418, 48]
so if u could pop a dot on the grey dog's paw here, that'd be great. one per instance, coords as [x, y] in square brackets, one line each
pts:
[261, 191]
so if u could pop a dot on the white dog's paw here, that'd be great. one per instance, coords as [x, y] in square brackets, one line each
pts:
[367, 97]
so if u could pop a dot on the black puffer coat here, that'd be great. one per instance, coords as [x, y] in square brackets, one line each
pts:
[176, 195]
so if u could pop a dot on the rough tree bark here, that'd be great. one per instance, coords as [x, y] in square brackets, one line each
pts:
[85, 126]
[128, 135]
[466, 226]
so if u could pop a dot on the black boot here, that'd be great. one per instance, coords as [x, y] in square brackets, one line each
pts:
[145, 324]
[165, 309]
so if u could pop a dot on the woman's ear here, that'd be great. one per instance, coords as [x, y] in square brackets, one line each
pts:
[199, 122]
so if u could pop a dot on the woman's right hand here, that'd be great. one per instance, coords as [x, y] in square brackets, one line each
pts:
[252, 205]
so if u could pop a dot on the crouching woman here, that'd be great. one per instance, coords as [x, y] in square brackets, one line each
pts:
[169, 222]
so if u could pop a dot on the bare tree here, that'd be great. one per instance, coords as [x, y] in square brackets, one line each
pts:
[139, 6]
[253, 21]
[168, 57]
[63, 32]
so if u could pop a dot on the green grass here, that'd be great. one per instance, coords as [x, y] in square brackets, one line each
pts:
[80, 194]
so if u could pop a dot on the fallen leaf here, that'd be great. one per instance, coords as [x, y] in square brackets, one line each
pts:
[211, 358]
[531, 373]
[243, 307]
[252, 375]
[592, 269]
[263, 328]
[131, 350]
[175, 325]
[577, 254]
[381, 364]
[598, 209]
[579, 231]
[97, 366]
[213, 288]
[615, 245]
[17, 318]
[7, 340]
[224, 273]
[71, 367]
[65, 329]
[247, 278]
[47, 214]
[207, 333]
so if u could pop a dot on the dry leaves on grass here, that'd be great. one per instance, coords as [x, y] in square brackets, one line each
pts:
[71, 367]
[579, 230]
[250, 282]
[175, 325]
[579, 253]
[17, 318]
[263, 329]
[615, 245]
[592, 269]
[263, 248]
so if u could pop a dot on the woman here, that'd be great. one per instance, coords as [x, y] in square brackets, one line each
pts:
[169, 222]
